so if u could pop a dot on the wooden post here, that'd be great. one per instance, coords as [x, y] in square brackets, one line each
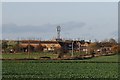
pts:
[29, 48]
[72, 48]
[79, 47]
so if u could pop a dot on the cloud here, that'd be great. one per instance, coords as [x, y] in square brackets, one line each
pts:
[69, 29]
[46, 30]
[13, 28]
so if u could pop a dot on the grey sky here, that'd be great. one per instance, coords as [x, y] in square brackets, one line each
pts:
[89, 20]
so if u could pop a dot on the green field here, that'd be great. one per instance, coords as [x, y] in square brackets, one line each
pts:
[113, 58]
[26, 55]
[34, 55]
[62, 68]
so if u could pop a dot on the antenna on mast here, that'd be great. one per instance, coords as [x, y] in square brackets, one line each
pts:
[58, 32]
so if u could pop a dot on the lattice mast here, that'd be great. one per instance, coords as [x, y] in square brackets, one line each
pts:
[58, 32]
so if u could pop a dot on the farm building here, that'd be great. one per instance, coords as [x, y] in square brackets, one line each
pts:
[15, 46]
[49, 46]
[78, 46]
[36, 45]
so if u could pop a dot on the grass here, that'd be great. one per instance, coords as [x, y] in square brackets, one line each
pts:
[61, 69]
[76, 53]
[35, 55]
[113, 58]
[26, 55]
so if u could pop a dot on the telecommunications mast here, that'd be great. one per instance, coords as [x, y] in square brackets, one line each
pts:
[58, 32]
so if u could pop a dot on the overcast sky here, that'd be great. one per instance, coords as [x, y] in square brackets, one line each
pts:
[84, 20]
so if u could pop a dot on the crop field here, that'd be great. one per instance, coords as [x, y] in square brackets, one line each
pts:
[46, 69]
